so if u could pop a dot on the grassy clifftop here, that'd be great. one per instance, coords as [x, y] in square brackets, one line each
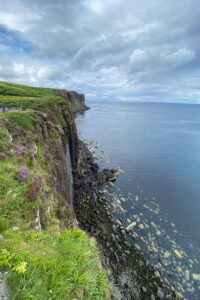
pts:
[13, 95]
[44, 253]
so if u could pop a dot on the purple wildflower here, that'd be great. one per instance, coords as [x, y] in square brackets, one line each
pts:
[5, 122]
[23, 174]
[9, 153]
[20, 150]
[38, 121]
[2, 155]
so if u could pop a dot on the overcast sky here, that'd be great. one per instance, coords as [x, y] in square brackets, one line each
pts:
[108, 49]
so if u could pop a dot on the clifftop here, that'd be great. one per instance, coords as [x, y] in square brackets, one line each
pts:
[21, 96]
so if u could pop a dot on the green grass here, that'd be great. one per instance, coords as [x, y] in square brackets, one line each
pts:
[14, 95]
[21, 119]
[14, 204]
[58, 262]
[22, 96]
[5, 138]
[62, 266]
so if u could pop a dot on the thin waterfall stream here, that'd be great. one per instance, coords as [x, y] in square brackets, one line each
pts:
[70, 180]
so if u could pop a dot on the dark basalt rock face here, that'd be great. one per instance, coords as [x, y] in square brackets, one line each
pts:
[58, 167]
[70, 95]
[73, 97]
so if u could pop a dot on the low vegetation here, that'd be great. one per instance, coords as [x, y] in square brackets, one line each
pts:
[51, 266]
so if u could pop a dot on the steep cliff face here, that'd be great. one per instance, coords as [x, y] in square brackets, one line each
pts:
[39, 140]
[44, 253]
[76, 100]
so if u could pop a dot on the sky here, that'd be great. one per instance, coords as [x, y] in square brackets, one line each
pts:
[125, 50]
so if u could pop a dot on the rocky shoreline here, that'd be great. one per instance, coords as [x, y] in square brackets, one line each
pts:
[80, 110]
[130, 274]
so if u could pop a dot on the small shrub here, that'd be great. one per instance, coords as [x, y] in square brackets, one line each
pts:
[19, 159]
[3, 223]
[9, 153]
[5, 139]
[23, 174]
[21, 268]
[32, 192]
[2, 155]
[38, 121]
[13, 260]
[20, 149]
[55, 134]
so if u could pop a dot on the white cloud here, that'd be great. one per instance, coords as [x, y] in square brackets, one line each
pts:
[108, 70]
[138, 59]
[122, 98]
[91, 95]
[49, 72]
[19, 22]
[96, 6]
[179, 57]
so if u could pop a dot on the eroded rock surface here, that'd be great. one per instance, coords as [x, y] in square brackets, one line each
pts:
[4, 295]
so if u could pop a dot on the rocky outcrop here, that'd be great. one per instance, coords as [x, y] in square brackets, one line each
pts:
[76, 100]
[69, 95]
[4, 295]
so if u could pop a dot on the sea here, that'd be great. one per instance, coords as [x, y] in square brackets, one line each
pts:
[157, 148]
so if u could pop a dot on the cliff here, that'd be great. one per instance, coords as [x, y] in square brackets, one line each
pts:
[77, 101]
[42, 251]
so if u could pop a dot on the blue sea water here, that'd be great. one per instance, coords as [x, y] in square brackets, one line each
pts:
[158, 147]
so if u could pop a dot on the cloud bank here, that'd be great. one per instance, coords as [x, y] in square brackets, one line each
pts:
[120, 50]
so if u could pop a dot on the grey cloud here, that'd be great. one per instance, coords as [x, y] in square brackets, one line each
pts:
[126, 49]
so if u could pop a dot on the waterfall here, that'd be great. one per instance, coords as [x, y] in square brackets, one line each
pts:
[70, 179]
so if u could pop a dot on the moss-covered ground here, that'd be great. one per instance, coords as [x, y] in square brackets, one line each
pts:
[44, 256]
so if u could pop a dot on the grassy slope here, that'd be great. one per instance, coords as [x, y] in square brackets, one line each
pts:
[55, 263]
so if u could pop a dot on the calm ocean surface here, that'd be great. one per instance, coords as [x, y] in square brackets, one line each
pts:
[158, 147]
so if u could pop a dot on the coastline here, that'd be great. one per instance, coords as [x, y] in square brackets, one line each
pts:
[130, 274]
[81, 110]
[35, 139]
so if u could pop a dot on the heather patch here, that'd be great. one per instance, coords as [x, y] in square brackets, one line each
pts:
[33, 191]
[22, 119]
[15, 130]
[20, 149]
[23, 174]
[2, 155]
